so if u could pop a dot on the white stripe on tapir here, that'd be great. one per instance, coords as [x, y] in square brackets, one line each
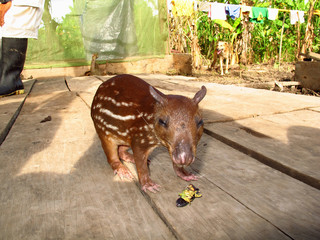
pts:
[111, 114]
[110, 126]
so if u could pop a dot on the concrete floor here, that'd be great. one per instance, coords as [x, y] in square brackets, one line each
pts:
[258, 165]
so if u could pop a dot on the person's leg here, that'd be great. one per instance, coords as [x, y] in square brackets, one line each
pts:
[13, 55]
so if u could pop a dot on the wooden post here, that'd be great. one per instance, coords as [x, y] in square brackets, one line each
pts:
[280, 50]
[298, 39]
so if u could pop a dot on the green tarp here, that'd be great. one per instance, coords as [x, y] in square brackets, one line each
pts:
[114, 29]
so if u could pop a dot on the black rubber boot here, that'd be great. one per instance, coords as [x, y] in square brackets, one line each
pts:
[13, 56]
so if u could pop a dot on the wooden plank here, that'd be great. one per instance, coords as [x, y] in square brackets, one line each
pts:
[242, 198]
[222, 102]
[290, 139]
[284, 202]
[312, 55]
[10, 109]
[55, 180]
[217, 215]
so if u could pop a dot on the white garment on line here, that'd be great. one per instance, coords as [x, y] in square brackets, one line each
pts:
[218, 11]
[296, 16]
[272, 13]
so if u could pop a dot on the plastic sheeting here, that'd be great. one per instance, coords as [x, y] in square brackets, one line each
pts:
[121, 28]
[115, 29]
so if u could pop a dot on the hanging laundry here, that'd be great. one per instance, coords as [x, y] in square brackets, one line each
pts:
[246, 9]
[233, 10]
[296, 16]
[218, 11]
[273, 13]
[259, 14]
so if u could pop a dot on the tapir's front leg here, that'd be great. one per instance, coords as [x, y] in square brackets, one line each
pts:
[141, 159]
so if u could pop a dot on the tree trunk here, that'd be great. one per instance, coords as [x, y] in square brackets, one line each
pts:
[308, 37]
[245, 56]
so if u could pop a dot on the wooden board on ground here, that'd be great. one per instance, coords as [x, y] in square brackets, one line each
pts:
[10, 108]
[55, 180]
[242, 198]
[287, 139]
[216, 215]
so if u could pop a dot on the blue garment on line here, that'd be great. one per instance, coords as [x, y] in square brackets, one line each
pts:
[233, 10]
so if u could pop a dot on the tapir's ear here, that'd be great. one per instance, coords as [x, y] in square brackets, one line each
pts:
[158, 96]
[200, 95]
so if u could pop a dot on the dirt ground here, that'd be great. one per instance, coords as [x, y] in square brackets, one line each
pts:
[260, 76]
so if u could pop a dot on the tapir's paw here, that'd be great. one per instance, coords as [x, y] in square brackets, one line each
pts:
[151, 186]
[185, 175]
[190, 177]
[123, 173]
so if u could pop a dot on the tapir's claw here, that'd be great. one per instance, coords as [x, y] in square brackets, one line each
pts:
[152, 187]
[123, 173]
[190, 177]
[185, 175]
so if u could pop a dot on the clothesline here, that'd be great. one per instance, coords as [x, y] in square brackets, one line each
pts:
[316, 12]
[221, 10]
[256, 14]
[279, 9]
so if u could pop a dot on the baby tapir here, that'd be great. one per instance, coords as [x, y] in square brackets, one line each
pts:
[128, 112]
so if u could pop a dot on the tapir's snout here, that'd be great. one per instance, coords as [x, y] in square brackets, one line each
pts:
[182, 154]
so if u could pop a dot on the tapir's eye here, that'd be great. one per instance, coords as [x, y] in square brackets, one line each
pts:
[163, 122]
[199, 123]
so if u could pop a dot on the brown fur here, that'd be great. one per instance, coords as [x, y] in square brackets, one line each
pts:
[128, 112]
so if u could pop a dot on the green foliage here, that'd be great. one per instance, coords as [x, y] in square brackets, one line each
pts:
[70, 37]
[57, 41]
[265, 37]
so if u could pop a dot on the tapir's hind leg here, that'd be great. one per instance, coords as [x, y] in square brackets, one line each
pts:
[111, 150]
[125, 155]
